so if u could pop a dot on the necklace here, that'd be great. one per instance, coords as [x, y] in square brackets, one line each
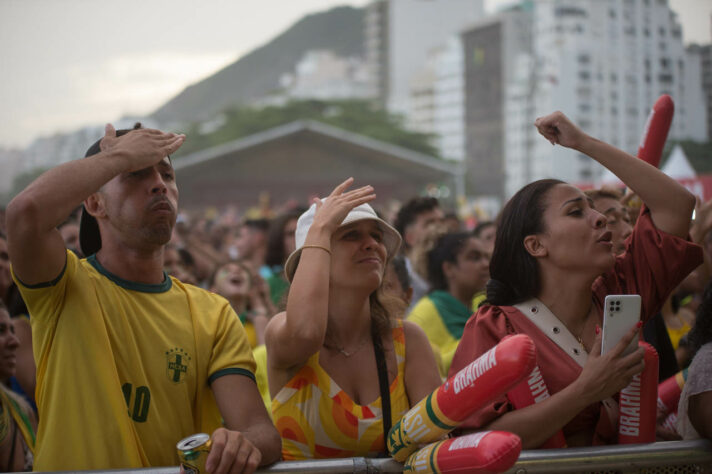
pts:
[344, 351]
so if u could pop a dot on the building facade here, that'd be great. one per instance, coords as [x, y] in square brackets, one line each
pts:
[604, 64]
[399, 35]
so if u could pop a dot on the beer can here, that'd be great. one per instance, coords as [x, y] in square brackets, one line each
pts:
[193, 452]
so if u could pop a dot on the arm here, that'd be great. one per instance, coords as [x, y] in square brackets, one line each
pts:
[250, 439]
[669, 202]
[261, 307]
[35, 245]
[701, 227]
[25, 372]
[601, 377]
[699, 412]
[421, 372]
[293, 336]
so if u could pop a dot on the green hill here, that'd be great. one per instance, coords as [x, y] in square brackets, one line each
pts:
[257, 73]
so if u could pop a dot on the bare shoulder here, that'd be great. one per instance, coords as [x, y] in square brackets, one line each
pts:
[414, 334]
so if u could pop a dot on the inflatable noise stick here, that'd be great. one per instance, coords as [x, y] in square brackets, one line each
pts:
[656, 130]
[638, 403]
[530, 391]
[480, 382]
[670, 422]
[669, 392]
[483, 452]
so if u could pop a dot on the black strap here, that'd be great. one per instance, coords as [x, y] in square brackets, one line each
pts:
[11, 461]
[382, 381]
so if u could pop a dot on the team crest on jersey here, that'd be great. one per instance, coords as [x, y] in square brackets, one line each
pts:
[177, 364]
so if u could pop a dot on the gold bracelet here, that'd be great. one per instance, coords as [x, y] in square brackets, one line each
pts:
[317, 247]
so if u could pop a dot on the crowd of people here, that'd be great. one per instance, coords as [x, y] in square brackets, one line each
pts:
[307, 332]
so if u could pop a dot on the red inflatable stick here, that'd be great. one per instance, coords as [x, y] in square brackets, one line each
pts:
[670, 422]
[669, 392]
[656, 130]
[485, 379]
[530, 391]
[479, 453]
[638, 403]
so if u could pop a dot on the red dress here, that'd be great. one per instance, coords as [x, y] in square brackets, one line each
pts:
[653, 264]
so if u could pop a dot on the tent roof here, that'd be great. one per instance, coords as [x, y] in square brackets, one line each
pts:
[677, 165]
[318, 128]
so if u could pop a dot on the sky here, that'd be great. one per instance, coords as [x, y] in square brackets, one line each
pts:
[69, 63]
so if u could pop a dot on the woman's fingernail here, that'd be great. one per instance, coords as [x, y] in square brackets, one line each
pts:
[639, 324]
[598, 329]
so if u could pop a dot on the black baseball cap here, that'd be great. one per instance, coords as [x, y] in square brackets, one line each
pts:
[89, 235]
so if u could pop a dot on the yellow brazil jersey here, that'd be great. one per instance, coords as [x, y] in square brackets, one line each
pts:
[426, 315]
[123, 368]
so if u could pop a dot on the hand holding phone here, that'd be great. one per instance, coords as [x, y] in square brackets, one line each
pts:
[620, 314]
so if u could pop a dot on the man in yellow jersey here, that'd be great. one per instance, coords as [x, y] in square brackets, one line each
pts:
[129, 360]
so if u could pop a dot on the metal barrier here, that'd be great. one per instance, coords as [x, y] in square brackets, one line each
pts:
[670, 457]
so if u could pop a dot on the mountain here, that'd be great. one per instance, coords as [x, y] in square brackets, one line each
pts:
[257, 73]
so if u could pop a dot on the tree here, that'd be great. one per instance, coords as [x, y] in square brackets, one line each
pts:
[358, 116]
[20, 182]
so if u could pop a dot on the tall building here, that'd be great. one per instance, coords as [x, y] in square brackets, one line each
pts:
[697, 89]
[399, 34]
[492, 49]
[603, 63]
[449, 100]
[705, 55]
[437, 99]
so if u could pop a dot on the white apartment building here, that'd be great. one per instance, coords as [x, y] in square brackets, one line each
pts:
[437, 99]
[603, 63]
[449, 100]
[325, 75]
[399, 35]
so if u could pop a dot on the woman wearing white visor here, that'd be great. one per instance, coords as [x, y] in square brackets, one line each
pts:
[339, 363]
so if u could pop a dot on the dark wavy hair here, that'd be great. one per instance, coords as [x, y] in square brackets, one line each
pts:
[275, 238]
[445, 250]
[701, 332]
[411, 210]
[514, 274]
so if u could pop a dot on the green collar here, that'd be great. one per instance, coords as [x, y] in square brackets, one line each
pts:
[132, 285]
[453, 313]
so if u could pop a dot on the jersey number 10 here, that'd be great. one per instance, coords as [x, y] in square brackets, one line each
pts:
[141, 401]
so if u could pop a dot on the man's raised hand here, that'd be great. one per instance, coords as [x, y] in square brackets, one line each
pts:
[142, 147]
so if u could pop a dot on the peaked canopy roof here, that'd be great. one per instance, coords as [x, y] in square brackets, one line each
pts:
[306, 158]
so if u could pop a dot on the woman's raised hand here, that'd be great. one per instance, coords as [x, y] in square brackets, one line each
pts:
[607, 374]
[331, 212]
[557, 128]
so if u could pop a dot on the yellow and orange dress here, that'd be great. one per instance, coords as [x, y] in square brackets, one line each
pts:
[317, 419]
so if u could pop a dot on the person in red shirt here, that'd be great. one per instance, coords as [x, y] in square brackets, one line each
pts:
[553, 265]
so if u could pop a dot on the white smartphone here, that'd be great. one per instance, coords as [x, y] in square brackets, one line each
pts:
[620, 313]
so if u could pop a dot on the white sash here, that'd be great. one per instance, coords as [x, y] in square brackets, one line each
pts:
[554, 329]
[549, 324]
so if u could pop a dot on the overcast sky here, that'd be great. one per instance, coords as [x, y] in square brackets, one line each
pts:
[68, 63]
